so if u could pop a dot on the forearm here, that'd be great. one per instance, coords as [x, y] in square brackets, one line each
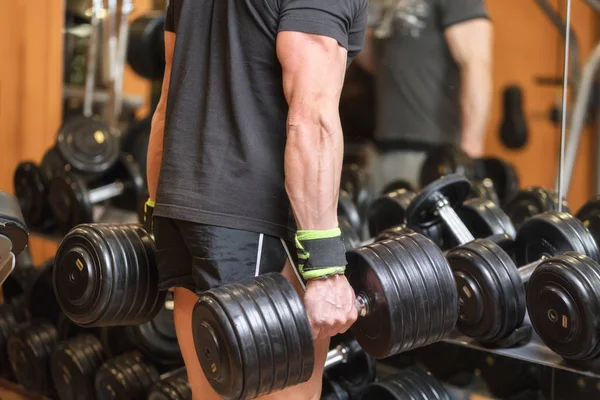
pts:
[476, 97]
[313, 164]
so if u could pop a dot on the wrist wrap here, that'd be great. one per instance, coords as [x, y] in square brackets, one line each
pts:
[148, 213]
[320, 253]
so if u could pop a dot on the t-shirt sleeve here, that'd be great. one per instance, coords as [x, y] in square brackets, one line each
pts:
[170, 15]
[457, 11]
[338, 19]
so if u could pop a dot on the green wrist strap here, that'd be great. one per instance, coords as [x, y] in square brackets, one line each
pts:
[321, 253]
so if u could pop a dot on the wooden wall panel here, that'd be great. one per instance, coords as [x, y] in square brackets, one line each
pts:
[528, 45]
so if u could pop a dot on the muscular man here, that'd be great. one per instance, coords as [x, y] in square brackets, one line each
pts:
[246, 153]
[432, 66]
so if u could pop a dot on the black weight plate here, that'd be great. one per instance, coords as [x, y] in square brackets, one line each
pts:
[483, 190]
[87, 280]
[389, 210]
[148, 269]
[136, 139]
[491, 293]
[399, 184]
[409, 384]
[530, 202]
[503, 376]
[124, 367]
[589, 214]
[88, 145]
[564, 306]
[550, 234]
[446, 159]
[29, 346]
[503, 175]
[484, 218]
[355, 181]
[348, 210]
[356, 374]
[128, 172]
[146, 50]
[69, 200]
[9, 320]
[394, 232]
[40, 300]
[52, 165]
[332, 390]
[351, 238]
[146, 374]
[17, 284]
[30, 190]
[447, 362]
[422, 211]
[68, 329]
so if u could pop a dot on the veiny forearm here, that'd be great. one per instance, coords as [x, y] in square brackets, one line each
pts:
[476, 98]
[313, 164]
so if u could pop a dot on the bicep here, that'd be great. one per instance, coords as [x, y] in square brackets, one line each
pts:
[313, 68]
[470, 41]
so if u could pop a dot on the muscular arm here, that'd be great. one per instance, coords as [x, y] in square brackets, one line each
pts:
[366, 58]
[313, 74]
[155, 146]
[471, 46]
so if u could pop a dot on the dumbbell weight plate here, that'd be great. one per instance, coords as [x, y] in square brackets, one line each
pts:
[394, 232]
[589, 214]
[354, 181]
[410, 384]
[30, 190]
[422, 210]
[491, 292]
[445, 160]
[128, 171]
[532, 201]
[52, 165]
[332, 390]
[348, 210]
[355, 375]
[483, 190]
[146, 50]
[553, 233]
[564, 305]
[389, 210]
[485, 218]
[228, 353]
[410, 287]
[351, 238]
[9, 319]
[399, 184]
[88, 145]
[70, 202]
[504, 177]
[173, 387]
[40, 300]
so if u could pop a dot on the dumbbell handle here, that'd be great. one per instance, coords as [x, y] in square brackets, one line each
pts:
[106, 192]
[341, 354]
[453, 222]
[526, 270]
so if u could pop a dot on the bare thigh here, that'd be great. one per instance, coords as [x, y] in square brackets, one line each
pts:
[201, 389]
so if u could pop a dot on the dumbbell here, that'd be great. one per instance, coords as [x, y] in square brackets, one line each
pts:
[18, 283]
[136, 140]
[146, 49]
[355, 181]
[484, 218]
[506, 377]
[411, 383]
[492, 289]
[73, 366]
[29, 347]
[72, 198]
[446, 159]
[106, 275]
[332, 390]
[31, 190]
[350, 367]
[347, 209]
[10, 317]
[125, 377]
[406, 299]
[389, 210]
[13, 234]
[172, 386]
[503, 175]
[398, 184]
[589, 214]
[532, 201]
[40, 300]
[483, 189]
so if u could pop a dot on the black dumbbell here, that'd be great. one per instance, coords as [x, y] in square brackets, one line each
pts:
[389, 210]
[72, 197]
[68, 329]
[87, 145]
[13, 234]
[446, 159]
[332, 390]
[125, 377]
[398, 185]
[29, 348]
[506, 377]
[532, 201]
[503, 176]
[73, 366]
[106, 275]
[136, 140]
[447, 362]
[491, 287]
[40, 300]
[411, 383]
[350, 367]
[347, 209]
[31, 190]
[483, 189]
[172, 386]
[52, 164]
[484, 218]
[146, 49]
[405, 297]
[589, 214]
[10, 317]
[17, 284]
[355, 181]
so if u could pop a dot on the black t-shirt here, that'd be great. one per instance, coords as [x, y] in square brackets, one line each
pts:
[225, 128]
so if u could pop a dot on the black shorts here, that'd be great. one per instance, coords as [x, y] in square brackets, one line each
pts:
[199, 257]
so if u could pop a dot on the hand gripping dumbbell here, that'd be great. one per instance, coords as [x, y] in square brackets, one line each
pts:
[492, 289]
[106, 275]
[532, 201]
[253, 337]
[72, 198]
[410, 383]
[73, 365]
[13, 234]
[437, 204]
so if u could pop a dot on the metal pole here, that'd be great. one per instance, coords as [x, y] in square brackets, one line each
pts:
[563, 124]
